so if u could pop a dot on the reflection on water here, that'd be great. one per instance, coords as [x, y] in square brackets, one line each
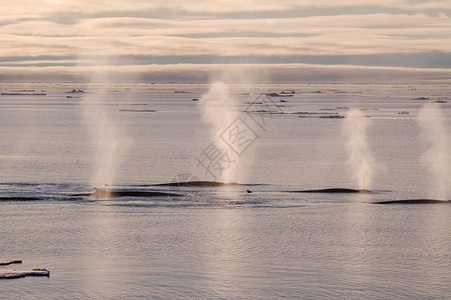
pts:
[100, 247]
[317, 248]
[223, 245]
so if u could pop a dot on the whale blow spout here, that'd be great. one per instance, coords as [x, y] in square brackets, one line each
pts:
[360, 158]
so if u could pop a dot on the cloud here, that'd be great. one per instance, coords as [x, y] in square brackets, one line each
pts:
[346, 34]
[88, 30]
[199, 73]
[214, 6]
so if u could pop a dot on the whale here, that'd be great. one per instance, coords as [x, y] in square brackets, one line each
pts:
[100, 193]
[125, 193]
[20, 198]
[414, 201]
[334, 191]
[199, 183]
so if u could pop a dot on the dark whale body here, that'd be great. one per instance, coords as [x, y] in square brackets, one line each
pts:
[107, 194]
[99, 193]
[198, 183]
[20, 198]
[415, 201]
[335, 191]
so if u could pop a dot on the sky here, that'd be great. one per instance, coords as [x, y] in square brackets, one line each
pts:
[188, 41]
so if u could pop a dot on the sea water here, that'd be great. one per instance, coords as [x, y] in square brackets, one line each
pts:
[220, 242]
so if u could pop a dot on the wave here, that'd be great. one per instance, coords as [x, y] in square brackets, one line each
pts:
[43, 198]
[414, 201]
[334, 191]
[199, 183]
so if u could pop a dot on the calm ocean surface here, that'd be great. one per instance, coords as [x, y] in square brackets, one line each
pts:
[223, 242]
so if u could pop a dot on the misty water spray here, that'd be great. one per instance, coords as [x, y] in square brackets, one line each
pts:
[437, 158]
[360, 157]
[218, 109]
